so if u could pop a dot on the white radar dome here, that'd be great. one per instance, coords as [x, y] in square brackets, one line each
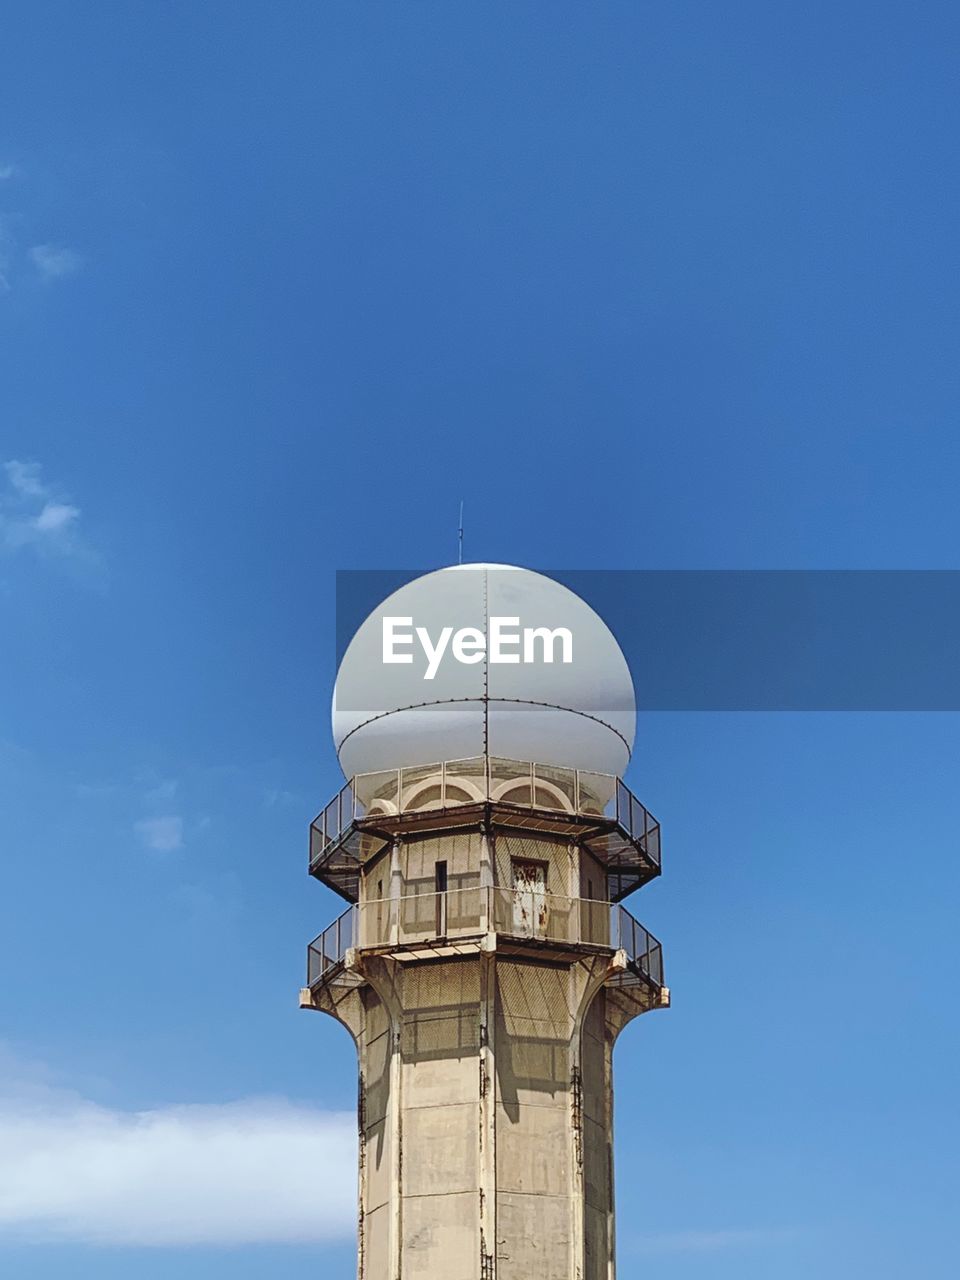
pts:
[483, 660]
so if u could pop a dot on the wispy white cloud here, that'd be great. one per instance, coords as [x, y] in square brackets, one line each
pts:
[256, 1171]
[94, 790]
[24, 477]
[274, 796]
[55, 516]
[48, 260]
[55, 261]
[161, 789]
[709, 1241]
[32, 514]
[163, 834]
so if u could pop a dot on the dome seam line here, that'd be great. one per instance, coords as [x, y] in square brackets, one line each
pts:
[484, 700]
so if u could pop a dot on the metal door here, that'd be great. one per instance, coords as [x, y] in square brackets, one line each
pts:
[529, 899]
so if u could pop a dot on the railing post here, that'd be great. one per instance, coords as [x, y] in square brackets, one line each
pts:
[487, 875]
[442, 913]
[396, 889]
[440, 899]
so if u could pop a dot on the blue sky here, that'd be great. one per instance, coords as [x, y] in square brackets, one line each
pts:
[648, 286]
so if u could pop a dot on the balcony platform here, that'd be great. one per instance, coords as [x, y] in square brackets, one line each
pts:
[484, 920]
[485, 792]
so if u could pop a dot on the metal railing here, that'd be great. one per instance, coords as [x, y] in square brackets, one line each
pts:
[481, 780]
[522, 914]
[327, 950]
[642, 948]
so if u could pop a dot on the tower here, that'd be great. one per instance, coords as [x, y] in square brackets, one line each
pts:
[485, 964]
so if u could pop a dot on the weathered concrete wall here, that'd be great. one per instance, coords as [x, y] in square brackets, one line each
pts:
[419, 858]
[377, 1132]
[593, 877]
[535, 1138]
[440, 1045]
[597, 1115]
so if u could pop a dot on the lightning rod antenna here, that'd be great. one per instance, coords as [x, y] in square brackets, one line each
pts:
[460, 536]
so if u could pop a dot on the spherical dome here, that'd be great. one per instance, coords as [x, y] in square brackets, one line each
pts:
[483, 660]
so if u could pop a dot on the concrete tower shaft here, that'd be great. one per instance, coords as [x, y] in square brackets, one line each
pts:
[485, 970]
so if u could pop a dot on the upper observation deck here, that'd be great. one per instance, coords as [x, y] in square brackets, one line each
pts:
[594, 809]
